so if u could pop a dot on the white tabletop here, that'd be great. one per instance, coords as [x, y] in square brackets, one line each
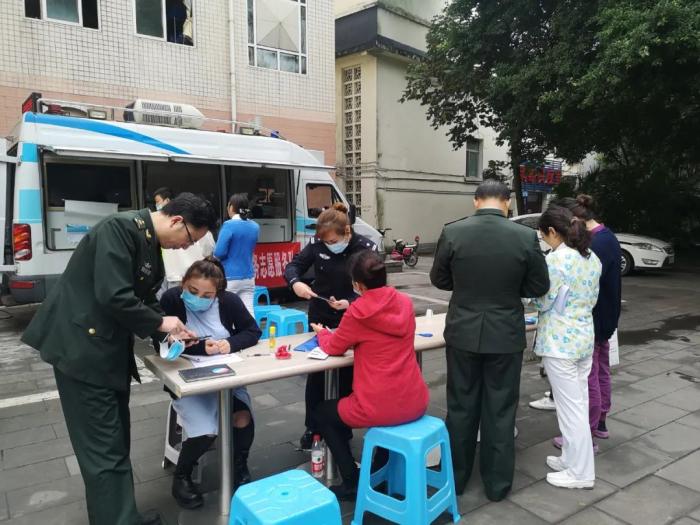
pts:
[259, 369]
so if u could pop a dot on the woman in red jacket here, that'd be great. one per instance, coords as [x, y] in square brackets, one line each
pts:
[388, 388]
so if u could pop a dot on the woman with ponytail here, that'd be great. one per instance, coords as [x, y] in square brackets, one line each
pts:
[328, 255]
[206, 308]
[237, 240]
[565, 340]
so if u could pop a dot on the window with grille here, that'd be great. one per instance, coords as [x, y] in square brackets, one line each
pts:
[352, 134]
[473, 158]
[277, 35]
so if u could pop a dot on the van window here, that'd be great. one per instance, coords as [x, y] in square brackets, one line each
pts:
[88, 182]
[270, 199]
[200, 179]
[320, 197]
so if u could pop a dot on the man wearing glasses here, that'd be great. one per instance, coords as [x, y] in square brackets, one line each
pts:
[86, 328]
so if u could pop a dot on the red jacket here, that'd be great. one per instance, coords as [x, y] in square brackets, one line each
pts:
[388, 387]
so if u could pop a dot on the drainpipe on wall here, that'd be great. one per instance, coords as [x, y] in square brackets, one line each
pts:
[232, 64]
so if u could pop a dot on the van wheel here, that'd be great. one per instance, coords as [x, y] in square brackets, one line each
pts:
[626, 263]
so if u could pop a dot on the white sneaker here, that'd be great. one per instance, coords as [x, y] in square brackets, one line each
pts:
[565, 480]
[555, 463]
[546, 403]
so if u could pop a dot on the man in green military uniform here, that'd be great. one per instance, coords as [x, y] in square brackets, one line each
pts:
[86, 328]
[489, 263]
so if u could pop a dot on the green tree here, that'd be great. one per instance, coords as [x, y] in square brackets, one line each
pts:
[619, 77]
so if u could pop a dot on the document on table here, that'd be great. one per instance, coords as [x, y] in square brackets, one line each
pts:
[199, 361]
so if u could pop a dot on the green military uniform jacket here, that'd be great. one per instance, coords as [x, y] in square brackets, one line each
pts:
[489, 263]
[106, 294]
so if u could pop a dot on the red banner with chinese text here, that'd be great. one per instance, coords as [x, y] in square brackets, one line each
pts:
[270, 260]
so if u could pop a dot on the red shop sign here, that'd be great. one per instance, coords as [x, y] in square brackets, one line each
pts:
[270, 260]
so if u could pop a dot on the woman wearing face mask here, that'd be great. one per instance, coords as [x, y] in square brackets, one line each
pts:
[235, 247]
[328, 254]
[206, 308]
[380, 325]
[565, 338]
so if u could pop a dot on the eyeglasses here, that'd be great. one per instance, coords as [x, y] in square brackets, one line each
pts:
[189, 235]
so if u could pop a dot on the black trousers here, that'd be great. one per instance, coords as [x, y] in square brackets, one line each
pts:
[483, 389]
[99, 428]
[316, 390]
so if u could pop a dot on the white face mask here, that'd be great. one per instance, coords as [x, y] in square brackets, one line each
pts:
[159, 207]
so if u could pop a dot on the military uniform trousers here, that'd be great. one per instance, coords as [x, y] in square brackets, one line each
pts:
[483, 388]
[99, 428]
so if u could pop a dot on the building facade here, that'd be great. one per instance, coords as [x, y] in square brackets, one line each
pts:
[270, 62]
[399, 171]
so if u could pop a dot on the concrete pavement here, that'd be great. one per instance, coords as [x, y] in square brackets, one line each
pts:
[648, 471]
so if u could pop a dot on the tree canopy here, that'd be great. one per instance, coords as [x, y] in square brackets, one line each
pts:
[567, 77]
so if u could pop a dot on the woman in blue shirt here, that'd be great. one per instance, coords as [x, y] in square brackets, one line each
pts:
[235, 247]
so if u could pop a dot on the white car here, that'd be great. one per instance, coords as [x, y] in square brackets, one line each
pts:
[638, 252]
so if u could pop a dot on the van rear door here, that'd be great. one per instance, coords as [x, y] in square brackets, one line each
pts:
[5, 206]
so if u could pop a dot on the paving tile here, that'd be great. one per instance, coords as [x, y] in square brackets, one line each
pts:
[620, 432]
[554, 504]
[21, 410]
[150, 468]
[38, 497]
[662, 384]
[148, 427]
[628, 463]
[503, 513]
[25, 421]
[72, 465]
[691, 420]
[27, 436]
[687, 398]
[531, 461]
[686, 521]
[25, 476]
[73, 513]
[265, 401]
[592, 515]
[37, 452]
[474, 495]
[684, 471]
[629, 396]
[674, 439]
[4, 511]
[652, 367]
[695, 514]
[650, 415]
[651, 501]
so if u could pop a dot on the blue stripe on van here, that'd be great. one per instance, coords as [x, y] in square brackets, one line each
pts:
[301, 223]
[29, 206]
[30, 153]
[98, 126]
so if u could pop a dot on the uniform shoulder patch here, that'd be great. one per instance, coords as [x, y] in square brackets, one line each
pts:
[140, 223]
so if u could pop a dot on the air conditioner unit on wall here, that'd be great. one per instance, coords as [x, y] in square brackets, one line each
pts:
[158, 113]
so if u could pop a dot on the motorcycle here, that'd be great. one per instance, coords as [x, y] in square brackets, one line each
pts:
[403, 251]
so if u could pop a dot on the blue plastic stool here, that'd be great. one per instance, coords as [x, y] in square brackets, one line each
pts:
[261, 291]
[286, 321]
[289, 498]
[408, 447]
[262, 312]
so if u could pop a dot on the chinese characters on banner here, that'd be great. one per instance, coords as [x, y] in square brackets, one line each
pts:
[270, 261]
[549, 175]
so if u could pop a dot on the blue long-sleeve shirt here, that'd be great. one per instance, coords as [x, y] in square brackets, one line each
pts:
[237, 240]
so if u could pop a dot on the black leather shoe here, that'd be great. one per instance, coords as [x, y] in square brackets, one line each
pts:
[306, 440]
[186, 492]
[151, 517]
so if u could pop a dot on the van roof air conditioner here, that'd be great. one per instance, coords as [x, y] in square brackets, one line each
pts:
[158, 113]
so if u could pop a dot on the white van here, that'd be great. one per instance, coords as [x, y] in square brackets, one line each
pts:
[68, 164]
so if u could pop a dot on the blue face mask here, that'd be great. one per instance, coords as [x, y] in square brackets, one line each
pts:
[194, 303]
[173, 352]
[338, 247]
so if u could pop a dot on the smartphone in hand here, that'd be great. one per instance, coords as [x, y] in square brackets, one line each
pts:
[198, 338]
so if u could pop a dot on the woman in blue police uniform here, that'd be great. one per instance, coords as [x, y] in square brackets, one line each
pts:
[86, 328]
[328, 253]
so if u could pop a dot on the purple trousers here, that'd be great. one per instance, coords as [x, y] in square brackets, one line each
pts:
[599, 386]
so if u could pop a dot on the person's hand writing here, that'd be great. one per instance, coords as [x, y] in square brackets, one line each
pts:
[342, 304]
[303, 290]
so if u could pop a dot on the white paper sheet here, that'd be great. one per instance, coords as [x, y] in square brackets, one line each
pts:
[206, 360]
